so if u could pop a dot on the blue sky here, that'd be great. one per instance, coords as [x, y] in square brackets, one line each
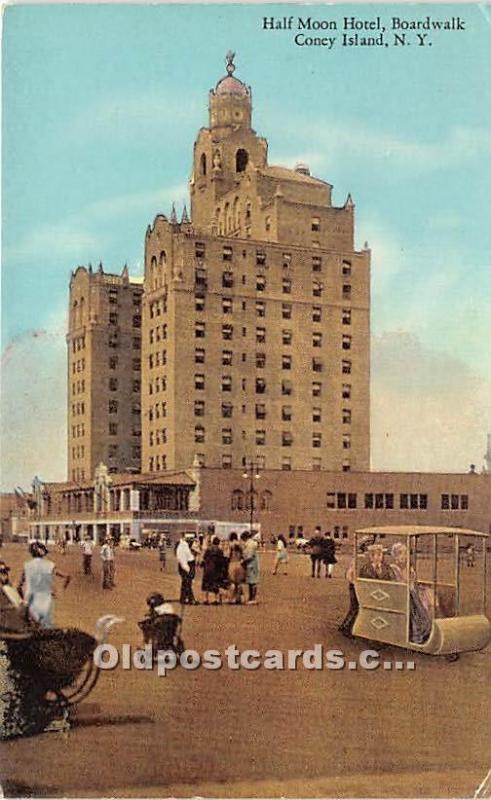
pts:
[101, 105]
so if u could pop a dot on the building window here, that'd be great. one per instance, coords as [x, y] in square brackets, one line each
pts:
[286, 388]
[413, 501]
[260, 258]
[286, 439]
[199, 381]
[286, 286]
[113, 407]
[227, 254]
[317, 365]
[346, 291]
[346, 391]
[227, 305]
[315, 224]
[316, 314]
[199, 249]
[227, 357]
[464, 502]
[346, 342]
[346, 316]
[137, 321]
[346, 416]
[199, 330]
[316, 263]
[199, 303]
[286, 337]
[286, 463]
[199, 434]
[317, 439]
[316, 415]
[199, 355]
[286, 362]
[226, 461]
[346, 367]
[113, 362]
[287, 260]
[260, 386]
[226, 435]
[346, 269]
[317, 339]
[200, 278]
[286, 413]
[260, 360]
[317, 289]
[227, 280]
[113, 384]
[346, 441]
[226, 383]
[260, 411]
[199, 408]
[330, 500]
[260, 335]
[113, 429]
[227, 410]
[227, 332]
[260, 283]
[316, 389]
[260, 308]
[260, 438]
[286, 310]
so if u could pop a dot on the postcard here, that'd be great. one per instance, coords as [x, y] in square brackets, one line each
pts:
[246, 380]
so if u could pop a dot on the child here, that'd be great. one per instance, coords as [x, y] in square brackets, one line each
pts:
[160, 626]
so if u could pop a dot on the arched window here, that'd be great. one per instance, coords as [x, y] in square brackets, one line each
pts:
[236, 213]
[237, 500]
[226, 214]
[241, 159]
[202, 164]
[81, 310]
[266, 500]
[153, 262]
[163, 257]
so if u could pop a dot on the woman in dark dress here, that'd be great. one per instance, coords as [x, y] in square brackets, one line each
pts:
[214, 571]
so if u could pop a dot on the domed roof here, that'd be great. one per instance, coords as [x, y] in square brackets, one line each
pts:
[229, 84]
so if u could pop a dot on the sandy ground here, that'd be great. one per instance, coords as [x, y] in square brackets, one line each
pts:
[257, 733]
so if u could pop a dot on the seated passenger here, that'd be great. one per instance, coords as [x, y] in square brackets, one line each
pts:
[376, 568]
[421, 597]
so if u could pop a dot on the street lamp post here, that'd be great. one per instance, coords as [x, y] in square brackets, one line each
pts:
[251, 473]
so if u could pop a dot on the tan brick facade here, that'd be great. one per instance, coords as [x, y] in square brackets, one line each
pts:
[104, 373]
[255, 340]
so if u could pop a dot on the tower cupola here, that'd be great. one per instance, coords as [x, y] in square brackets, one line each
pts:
[230, 102]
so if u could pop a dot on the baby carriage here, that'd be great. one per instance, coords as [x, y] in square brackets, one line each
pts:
[59, 661]
[161, 627]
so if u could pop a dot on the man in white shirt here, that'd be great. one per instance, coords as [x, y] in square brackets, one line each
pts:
[107, 558]
[186, 568]
[87, 547]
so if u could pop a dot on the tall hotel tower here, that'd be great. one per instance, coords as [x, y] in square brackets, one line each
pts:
[255, 323]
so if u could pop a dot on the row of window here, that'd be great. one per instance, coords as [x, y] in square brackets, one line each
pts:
[158, 410]
[261, 256]
[261, 306]
[157, 359]
[78, 430]
[261, 413]
[261, 437]
[78, 365]
[318, 287]
[260, 383]
[228, 334]
[158, 333]
[157, 437]
[113, 295]
[157, 307]
[113, 451]
[78, 408]
[227, 463]
[78, 387]
[78, 475]
[78, 451]
[78, 343]
[379, 500]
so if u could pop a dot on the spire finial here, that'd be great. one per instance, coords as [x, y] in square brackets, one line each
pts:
[230, 62]
[173, 215]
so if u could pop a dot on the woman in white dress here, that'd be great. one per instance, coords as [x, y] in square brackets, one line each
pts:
[36, 584]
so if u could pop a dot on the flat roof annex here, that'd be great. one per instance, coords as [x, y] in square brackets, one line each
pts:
[417, 530]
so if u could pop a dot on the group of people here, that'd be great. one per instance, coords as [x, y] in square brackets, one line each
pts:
[227, 566]
[322, 550]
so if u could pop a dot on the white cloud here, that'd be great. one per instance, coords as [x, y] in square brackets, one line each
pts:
[430, 412]
[68, 239]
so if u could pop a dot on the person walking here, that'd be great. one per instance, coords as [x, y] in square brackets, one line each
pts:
[36, 584]
[214, 571]
[87, 547]
[251, 564]
[162, 553]
[328, 553]
[186, 566]
[108, 566]
[281, 555]
[315, 547]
